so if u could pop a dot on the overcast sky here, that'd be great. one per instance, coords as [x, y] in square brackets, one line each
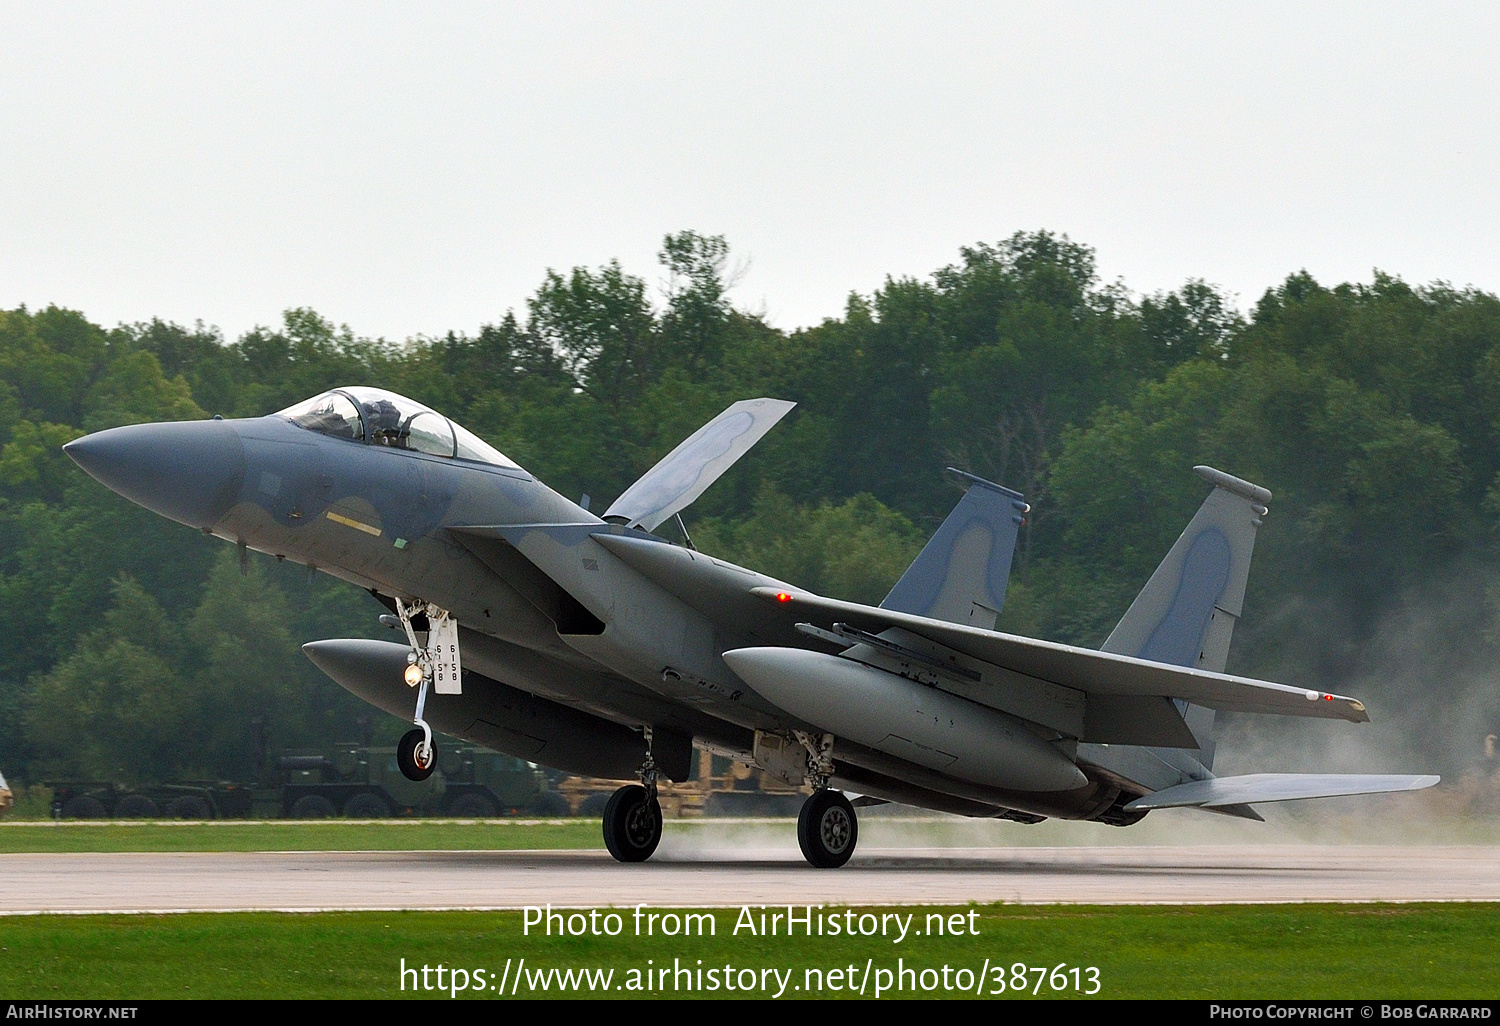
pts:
[414, 168]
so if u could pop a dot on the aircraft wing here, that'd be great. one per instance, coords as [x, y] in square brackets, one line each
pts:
[769, 611]
[1083, 669]
[1253, 788]
[686, 472]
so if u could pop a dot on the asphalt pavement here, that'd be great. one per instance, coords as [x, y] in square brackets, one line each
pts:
[308, 881]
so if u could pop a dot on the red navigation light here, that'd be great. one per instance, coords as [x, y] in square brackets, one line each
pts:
[1328, 698]
[782, 596]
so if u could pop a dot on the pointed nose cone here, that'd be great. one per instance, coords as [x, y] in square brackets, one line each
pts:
[189, 471]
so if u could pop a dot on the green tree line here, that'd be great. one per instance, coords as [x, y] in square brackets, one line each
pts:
[137, 650]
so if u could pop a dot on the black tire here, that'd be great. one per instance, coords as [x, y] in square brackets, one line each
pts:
[136, 806]
[366, 806]
[550, 805]
[190, 806]
[312, 806]
[827, 829]
[632, 824]
[84, 807]
[472, 806]
[406, 756]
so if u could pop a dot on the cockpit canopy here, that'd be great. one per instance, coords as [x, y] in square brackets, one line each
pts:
[378, 417]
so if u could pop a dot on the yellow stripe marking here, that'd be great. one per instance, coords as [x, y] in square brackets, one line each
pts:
[353, 523]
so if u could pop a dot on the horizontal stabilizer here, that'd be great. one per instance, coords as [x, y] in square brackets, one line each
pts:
[686, 472]
[1275, 787]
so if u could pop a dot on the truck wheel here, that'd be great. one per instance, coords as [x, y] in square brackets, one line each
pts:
[550, 805]
[594, 805]
[136, 806]
[472, 806]
[190, 806]
[632, 824]
[84, 807]
[366, 806]
[413, 768]
[827, 829]
[312, 806]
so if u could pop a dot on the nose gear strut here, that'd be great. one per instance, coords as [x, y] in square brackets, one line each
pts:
[435, 663]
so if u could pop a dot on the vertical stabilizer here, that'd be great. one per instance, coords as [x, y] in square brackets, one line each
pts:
[1185, 615]
[961, 574]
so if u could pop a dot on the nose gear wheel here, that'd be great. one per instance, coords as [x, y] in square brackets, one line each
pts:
[415, 755]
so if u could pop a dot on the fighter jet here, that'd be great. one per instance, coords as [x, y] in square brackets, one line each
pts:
[595, 645]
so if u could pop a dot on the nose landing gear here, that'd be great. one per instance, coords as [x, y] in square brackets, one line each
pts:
[437, 659]
[632, 819]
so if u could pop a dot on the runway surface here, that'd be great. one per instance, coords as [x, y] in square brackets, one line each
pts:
[309, 881]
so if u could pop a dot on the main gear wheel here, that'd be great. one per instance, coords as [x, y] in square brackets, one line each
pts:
[827, 829]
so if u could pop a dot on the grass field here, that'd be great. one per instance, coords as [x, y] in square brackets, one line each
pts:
[1280, 951]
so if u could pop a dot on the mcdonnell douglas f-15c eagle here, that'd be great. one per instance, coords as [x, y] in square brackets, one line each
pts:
[592, 645]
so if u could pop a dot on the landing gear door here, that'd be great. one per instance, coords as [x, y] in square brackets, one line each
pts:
[442, 648]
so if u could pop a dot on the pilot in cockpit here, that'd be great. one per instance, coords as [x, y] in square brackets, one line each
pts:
[385, 423]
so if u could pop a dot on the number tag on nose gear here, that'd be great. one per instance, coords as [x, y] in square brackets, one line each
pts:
[442, 648]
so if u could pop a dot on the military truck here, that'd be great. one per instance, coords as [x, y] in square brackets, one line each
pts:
[201, 799]
[719, 787]
[365, 783]
[6, 799]
[352, 780]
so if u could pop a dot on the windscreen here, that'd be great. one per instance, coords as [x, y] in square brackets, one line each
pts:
[328, 414]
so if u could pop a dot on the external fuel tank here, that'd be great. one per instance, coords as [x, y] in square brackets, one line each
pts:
[900, 717]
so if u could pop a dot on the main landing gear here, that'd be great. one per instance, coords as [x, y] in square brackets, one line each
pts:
[632, 819]
[827, 829]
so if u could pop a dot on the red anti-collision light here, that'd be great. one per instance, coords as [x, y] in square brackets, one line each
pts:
[1328, 698]
[782, 596]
